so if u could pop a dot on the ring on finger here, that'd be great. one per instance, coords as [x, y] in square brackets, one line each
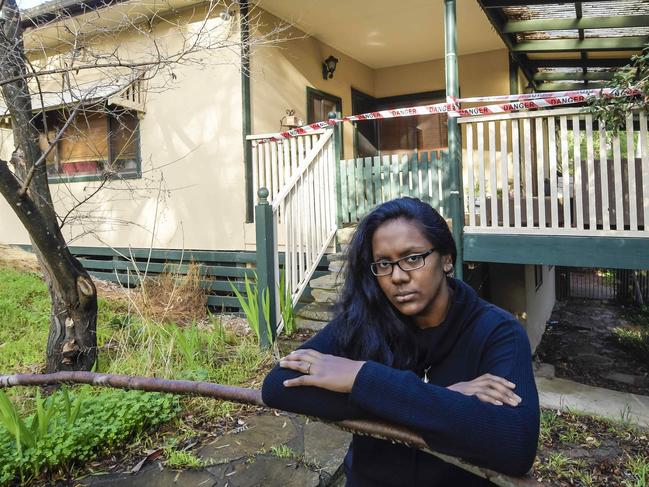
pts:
[308, 368]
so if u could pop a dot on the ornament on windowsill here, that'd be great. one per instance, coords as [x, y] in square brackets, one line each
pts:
[290, 121]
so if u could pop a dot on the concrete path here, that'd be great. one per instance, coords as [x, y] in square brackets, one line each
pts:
[620, 406]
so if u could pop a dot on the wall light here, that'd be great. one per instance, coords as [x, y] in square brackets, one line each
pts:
[328, 67]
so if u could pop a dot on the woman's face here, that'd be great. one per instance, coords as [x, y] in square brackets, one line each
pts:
[421, 294]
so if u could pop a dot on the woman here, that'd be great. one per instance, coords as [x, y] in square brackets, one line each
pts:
[411, 345]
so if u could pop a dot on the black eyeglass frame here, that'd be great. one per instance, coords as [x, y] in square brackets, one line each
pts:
[423, 255]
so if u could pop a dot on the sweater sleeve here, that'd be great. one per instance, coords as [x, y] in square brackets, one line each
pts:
[312, 401]
[502, 438]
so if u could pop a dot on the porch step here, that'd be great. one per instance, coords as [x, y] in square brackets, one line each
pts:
[324, 296]
[344, 235]
[328, 282]
[316, 312]
[307, 324]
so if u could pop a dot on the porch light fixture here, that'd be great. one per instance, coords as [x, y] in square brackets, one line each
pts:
[328, 67]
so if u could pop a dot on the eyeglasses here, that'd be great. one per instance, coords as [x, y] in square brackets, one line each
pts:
[406, 264]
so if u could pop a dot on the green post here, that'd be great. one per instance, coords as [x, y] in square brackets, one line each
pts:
[265, 237]
[245, 106]
[337, 151]
[513, 76]
[456, 207]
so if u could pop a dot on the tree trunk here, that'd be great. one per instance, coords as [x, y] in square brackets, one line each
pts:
[72, 342]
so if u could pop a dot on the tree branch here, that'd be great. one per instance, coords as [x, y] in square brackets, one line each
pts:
[375, 429]
[32, 170]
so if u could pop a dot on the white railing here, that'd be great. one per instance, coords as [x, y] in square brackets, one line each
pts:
[555, 172]
[306, 206]
[274, 162]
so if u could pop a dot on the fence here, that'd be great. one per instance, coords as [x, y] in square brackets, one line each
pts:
[620, 285]
[367, 182]
[556, 172]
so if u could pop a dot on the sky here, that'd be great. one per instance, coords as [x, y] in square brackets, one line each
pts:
[23, 4]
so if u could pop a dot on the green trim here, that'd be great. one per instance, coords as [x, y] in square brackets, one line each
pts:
[631, 43]
[513, 76]
[574, 76]
[266, 279]
[609, 252]
[246, 110]
[518, 26]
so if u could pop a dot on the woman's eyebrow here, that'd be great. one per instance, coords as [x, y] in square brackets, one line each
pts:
[404, 253]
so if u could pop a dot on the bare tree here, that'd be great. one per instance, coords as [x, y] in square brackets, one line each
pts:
[57, 76]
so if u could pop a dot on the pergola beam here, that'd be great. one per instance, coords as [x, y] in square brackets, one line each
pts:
[518, 26]
[572, 76]
[523, 3]
[578, 63]
[553, 86]
[591, 44]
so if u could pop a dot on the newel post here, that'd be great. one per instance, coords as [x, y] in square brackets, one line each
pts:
[337, 135]
[265, 238]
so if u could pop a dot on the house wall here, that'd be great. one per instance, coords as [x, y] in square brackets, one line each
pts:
[191, 193]
[539, 302]
[512, 288]
[281, 73]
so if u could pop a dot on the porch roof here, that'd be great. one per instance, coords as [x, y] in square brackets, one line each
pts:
[564, 44]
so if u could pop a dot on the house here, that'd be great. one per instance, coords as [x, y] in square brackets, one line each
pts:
[537, 188]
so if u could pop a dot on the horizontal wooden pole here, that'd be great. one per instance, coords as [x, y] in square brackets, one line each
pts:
[579, 63]
[536, 25]
[523, 3]
[631, 43]
[573, 76]
[375, 429]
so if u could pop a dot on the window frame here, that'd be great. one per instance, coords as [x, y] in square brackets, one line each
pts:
[82, 178]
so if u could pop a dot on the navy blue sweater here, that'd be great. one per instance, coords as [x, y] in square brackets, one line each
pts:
[503, 438]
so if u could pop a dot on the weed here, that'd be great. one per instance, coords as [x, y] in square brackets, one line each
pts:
[286, 306]
[179, 459]
[283, 451]
[638, 470]
[250, 305]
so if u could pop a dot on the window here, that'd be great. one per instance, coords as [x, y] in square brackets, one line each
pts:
[402, 134]
[95, 144]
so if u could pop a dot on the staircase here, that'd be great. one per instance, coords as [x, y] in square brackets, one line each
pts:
[325, 289]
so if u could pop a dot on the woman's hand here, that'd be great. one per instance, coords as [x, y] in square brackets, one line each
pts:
[489, 388]
[320, 370]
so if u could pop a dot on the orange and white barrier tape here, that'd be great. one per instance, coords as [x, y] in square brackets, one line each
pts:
[514, 103]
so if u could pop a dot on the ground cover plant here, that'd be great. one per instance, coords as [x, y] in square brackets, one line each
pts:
[55, 442]
[585, 451]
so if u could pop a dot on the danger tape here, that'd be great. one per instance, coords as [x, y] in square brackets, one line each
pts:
[523, 101]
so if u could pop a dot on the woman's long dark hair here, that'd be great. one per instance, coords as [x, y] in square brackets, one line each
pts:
[368, 327]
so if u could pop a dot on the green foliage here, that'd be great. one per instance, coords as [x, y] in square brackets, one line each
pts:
[250, 305]
[638, 468]
[286, 306]
[69, 429]
[283, 451]
[178, 459]
[613, 110]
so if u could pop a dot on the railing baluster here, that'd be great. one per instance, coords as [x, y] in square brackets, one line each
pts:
[603, 170]
[540, 171]
[617, 175]
[579, 204]
[516, 164]
[504, 172]
[590, 167]
[552, 157]
[481, 175]
[470, 190]
[565, 172]
[493, 176]
[529, 202]
[630, 164]
[644, 153]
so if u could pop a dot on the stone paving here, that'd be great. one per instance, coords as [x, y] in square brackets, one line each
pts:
[268, 450]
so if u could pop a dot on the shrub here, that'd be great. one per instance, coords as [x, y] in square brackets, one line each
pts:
[67, 429]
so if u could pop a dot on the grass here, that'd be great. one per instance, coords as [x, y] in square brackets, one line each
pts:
[283, 451]
[636, 340]
[180, 459]
[131, 344]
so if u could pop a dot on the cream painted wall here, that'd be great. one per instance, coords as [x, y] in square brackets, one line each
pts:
[485, 73]
[539, 302]
[280, 75]
[512, 288]
[192, 192]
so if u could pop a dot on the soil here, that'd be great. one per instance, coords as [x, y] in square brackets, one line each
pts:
[581, 345]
